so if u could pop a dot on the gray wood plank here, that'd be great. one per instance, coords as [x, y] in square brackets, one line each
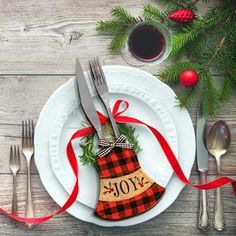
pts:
[45, 37]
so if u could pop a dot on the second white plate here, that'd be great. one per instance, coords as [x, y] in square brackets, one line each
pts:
[186, 145]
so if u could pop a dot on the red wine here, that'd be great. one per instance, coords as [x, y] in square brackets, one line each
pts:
[146, 43]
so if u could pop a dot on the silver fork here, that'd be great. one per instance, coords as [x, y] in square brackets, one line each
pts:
[14, 167]
[99, 81]
[28, 151]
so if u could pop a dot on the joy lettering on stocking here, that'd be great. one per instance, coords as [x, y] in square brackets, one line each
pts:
[124, 187]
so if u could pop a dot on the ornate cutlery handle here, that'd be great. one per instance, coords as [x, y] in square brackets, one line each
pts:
[219, 222]
[29, 205]
[204, 221]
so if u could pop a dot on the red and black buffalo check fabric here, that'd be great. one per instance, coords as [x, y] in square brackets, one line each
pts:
[120, 162]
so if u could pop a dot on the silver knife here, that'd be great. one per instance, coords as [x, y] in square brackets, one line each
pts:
[86, 100]
[202, 163]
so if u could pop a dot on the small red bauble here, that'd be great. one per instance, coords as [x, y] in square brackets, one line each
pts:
[189, 78]
[182, 16]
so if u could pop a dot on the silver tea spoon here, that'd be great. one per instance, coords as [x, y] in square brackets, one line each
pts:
[218, 140]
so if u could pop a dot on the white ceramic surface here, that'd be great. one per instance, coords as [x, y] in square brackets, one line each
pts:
[186, 144]
[68, 119]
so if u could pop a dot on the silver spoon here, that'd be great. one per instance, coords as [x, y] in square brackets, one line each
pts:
[218, 140]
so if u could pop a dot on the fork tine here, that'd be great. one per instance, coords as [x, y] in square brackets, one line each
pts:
[23, 134]
[91, 70]
[28, 132]
[18, 155]
[101, 71]
[98, 67]
[32, 132]
[98, 71]
[26, 139]
[96, 77]
[11, 155]
[102, 75]
[14, 155]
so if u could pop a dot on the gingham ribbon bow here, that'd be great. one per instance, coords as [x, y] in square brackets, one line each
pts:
[107, 146]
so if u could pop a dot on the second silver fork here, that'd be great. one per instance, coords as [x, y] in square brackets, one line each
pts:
[28, 151]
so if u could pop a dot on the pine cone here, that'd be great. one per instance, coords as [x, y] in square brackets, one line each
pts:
[182, 16]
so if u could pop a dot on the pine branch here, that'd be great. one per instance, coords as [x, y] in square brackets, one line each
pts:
[190, 32]
[119, 27]
[118, 41]
[209, 42]
[87, 144]
[188, 96]
[210, 96]
[196, 48]
[151, 12]
[88, 149]
[128, 131]
[178, 3]
[212, 58]
[109, 26]
[226, 88]
[170, 74]
[124, 16]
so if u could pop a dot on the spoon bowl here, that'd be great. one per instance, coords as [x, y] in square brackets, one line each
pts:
[218, 138]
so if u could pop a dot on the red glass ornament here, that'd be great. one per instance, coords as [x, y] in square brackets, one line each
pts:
[189, 78]
[182, 16]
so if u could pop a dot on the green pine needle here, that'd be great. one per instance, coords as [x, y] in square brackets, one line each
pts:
[208, 42]
[151, 12]
[187, 97]
[118, 41]
[129, 132]
[170, 74]
[119, 27]
[226, 88]
[108, 26]
[88, 156]
[210, 96]
[122, 14]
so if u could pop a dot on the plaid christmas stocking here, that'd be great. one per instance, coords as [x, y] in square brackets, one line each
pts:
[125, 190]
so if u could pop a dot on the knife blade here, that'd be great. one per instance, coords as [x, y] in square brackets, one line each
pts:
[202, 163]
[202, 153]
[86, 99]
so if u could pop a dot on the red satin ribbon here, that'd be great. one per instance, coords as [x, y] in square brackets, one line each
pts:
[121, 119]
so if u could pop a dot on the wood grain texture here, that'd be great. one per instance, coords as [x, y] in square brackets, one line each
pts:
[45, 37]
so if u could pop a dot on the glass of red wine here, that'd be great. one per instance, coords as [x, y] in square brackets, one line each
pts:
[148, 42]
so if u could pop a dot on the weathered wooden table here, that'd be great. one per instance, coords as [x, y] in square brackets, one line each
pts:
[39, 41]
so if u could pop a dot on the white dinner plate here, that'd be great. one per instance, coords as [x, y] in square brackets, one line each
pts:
[186, 146]
[69, 116]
